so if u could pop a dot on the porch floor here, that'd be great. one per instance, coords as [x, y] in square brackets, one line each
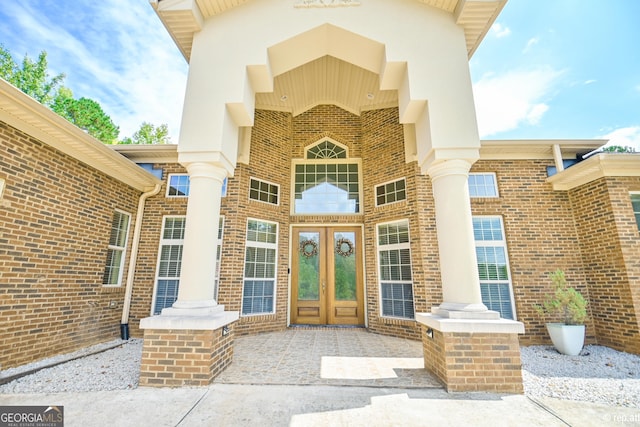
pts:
[328, 356]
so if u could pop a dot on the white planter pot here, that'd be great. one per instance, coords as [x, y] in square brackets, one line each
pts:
[567, 339]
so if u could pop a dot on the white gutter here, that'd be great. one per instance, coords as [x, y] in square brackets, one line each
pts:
[124, 324]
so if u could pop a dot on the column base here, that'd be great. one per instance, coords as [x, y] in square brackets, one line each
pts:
[464, 311]
[473, 354]
[184, 347]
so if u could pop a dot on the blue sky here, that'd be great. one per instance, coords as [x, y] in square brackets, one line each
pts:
[567, 69]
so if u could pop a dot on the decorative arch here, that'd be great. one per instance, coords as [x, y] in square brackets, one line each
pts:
[326, 148]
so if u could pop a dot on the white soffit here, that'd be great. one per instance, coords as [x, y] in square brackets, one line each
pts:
[29, 116]
[530, 149]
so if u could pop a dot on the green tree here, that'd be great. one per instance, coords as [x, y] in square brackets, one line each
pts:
[32, 78]
[87, 114]
[149, 134]
[618, 149]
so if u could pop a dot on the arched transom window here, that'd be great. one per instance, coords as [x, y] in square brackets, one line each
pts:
[327, 181]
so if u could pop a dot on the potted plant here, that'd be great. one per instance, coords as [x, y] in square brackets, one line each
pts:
[568, 308]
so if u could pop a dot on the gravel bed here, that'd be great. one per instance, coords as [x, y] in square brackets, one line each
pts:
[114, 369]
[599, 374]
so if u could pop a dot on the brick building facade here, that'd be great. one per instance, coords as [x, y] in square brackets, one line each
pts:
[288, 209]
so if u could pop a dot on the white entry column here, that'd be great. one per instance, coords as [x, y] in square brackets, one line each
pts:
[197, 276]
[458, 264]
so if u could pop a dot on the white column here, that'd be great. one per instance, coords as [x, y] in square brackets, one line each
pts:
[197, 277]
[458, 264]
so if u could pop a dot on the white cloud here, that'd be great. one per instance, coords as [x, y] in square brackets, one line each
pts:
[499, 31]
[625, 137]
[590, 81]
[505, 102]
[125, 61]
[530, 43]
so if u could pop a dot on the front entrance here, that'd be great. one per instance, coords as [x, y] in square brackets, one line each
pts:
[326, 276]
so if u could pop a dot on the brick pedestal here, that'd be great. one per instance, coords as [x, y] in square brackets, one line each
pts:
[468, 355]
[175, 358]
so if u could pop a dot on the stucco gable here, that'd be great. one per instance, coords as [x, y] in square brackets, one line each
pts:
[184, 18]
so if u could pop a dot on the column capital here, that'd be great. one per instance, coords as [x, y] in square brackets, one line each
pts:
[448, 168]
[213, 158]
[206, 170]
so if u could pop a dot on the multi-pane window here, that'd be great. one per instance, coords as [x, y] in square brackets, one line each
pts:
[394, 260]
[116, 249]
[169, 263]
[178, 185]
[391, 192]
[263, 191]
[259, 267]
[326, 150]
[493, 266]
[325, 188]
[483, 185]
[635, 202]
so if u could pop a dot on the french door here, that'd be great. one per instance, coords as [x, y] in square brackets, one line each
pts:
[326, 276]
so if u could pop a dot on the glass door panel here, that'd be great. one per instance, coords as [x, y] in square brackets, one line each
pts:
[345, 278]
[309, 266]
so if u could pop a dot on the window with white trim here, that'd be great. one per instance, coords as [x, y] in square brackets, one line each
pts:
[635, 202]
[178, 185]
[114, 266]
[169, 262]
[493, 265]
[263, 191]
[391, 192]
[483, 185]
[394, 261]
[258, 292]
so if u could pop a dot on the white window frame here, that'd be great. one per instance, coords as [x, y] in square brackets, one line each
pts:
[347, 161]
[121, 249]
[326, 139]
[394, 246]
[384, 184]
[171, 175]
[636, 214]
[163, 241]
[260, 192]
[503, 244]
[495, 185]
[264, 245]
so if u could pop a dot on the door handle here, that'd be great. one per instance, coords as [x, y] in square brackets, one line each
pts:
[323, 286]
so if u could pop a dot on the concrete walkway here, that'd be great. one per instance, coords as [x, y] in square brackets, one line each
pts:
[344, 377]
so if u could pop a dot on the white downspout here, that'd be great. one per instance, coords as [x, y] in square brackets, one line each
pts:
[124, 323]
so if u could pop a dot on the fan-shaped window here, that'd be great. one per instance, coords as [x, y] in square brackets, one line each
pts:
[326, 150]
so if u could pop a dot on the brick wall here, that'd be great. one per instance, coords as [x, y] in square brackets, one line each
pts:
[541, 230]
[156, 208]
[55, 222]
[541, 237]
[177, 358]
[475, 361]
[610, 245]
